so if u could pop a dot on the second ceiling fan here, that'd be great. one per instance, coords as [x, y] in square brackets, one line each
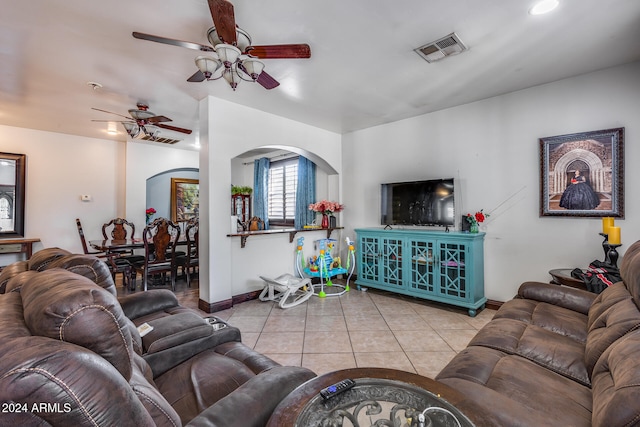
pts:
[231, 54]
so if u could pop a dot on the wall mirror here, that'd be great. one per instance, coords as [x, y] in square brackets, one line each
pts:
[12, 189]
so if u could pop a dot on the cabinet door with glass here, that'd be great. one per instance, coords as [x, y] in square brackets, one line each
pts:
[241, 207]
[369, 258]
[391, 262]
[380, 261]
[453, 277]
[422, 265]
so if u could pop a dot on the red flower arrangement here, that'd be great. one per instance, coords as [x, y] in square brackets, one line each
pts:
[477, 218]
[150, 212]
[326, 207]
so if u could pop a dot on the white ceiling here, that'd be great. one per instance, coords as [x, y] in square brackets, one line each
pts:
[363, 70]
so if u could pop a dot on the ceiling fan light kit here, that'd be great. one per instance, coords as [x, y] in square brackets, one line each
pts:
[236, 66]
[144, 122]
[233, 48]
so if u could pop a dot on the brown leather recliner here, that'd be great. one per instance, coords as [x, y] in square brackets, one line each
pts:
[69, 355]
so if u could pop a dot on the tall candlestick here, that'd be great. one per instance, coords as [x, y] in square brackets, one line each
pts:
[614, 235]
[607, 222]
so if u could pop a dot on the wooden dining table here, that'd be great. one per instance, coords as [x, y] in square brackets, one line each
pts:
[110, 245]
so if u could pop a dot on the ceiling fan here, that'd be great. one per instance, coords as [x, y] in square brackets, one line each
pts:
[232, 54]
[143, 121]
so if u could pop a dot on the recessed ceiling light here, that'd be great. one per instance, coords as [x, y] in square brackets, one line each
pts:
[543, 6]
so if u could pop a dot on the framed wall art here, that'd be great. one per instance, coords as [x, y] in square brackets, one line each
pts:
[582, 174]
[185, 199]
[12, 194]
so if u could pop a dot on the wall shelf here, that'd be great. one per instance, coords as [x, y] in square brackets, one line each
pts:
[244, 235]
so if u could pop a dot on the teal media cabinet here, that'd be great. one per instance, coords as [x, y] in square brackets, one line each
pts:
[434, 265]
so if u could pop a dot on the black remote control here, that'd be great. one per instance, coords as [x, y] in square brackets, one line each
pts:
[337, 388]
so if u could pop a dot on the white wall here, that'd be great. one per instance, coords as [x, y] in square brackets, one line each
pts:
[227, 130]
[61, 168]
[144, 161]
[492, 147]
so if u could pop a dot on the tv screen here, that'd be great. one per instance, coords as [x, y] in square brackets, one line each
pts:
[418, 203]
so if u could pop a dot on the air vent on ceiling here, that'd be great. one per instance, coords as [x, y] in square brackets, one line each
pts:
[159, 139]
[441, 48]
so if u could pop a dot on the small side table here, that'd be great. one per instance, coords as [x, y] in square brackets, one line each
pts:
[375, 388]
[562, 276]
[17, 246]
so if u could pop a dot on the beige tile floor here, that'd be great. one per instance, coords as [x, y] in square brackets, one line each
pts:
[357, 329]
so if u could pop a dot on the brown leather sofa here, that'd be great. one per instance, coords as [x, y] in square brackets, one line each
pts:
[71, 354]
[558, 356]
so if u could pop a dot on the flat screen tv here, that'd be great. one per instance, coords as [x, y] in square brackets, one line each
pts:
[423, 203]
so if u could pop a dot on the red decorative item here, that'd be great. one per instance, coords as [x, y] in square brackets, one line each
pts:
[325, 221]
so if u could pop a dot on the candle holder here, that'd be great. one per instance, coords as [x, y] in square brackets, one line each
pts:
[612, 255]
[605, 246]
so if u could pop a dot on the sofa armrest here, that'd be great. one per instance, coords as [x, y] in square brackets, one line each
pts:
[252, 404]
[179, 337]
[562, 296]
[143, 303]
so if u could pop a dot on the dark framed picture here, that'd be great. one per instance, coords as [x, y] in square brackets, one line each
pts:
[581, 175]
[185, 199]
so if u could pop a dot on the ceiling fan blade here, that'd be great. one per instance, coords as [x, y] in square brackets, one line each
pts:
[158, 119]
[280, 51]
[173, 42]
[174, 128]
[113, 121]
[266, 81]
[198, 76]
[105, 111]
[224, 20]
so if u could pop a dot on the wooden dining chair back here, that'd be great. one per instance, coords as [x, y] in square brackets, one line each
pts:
[118, 229]
[160, 240]
[114, 262]
[83, 241]
[190, 261]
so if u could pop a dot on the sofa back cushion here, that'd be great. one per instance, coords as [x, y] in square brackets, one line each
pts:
[614, 312]
[630, 271]
[10, 271]
[89, 266]
[616, 384]
[41, 259]
[62, 305]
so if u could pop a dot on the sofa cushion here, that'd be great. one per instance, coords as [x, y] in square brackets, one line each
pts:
[10, 271]
[72, 308]
[630, 271]
[616, 384]
[41, 259]
[516, 391]
[547, 316]
[556, 352]
[80, 387]
[201, 381]
[612, 316]
[88, 266]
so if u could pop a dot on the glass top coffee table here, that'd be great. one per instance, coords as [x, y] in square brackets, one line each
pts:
[380, 397]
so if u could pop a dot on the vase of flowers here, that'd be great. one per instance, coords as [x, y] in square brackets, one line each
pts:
[475, 220]
[327, 209]
[150, 213]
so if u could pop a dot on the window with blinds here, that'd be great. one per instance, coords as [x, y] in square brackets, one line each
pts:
[283, 182]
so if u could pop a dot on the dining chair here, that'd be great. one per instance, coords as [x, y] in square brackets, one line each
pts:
[121, 229]
[114, 262]
[160, 240]
[118, 229]
[190, 261]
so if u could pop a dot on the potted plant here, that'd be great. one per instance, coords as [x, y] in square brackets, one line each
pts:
[238, 189]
